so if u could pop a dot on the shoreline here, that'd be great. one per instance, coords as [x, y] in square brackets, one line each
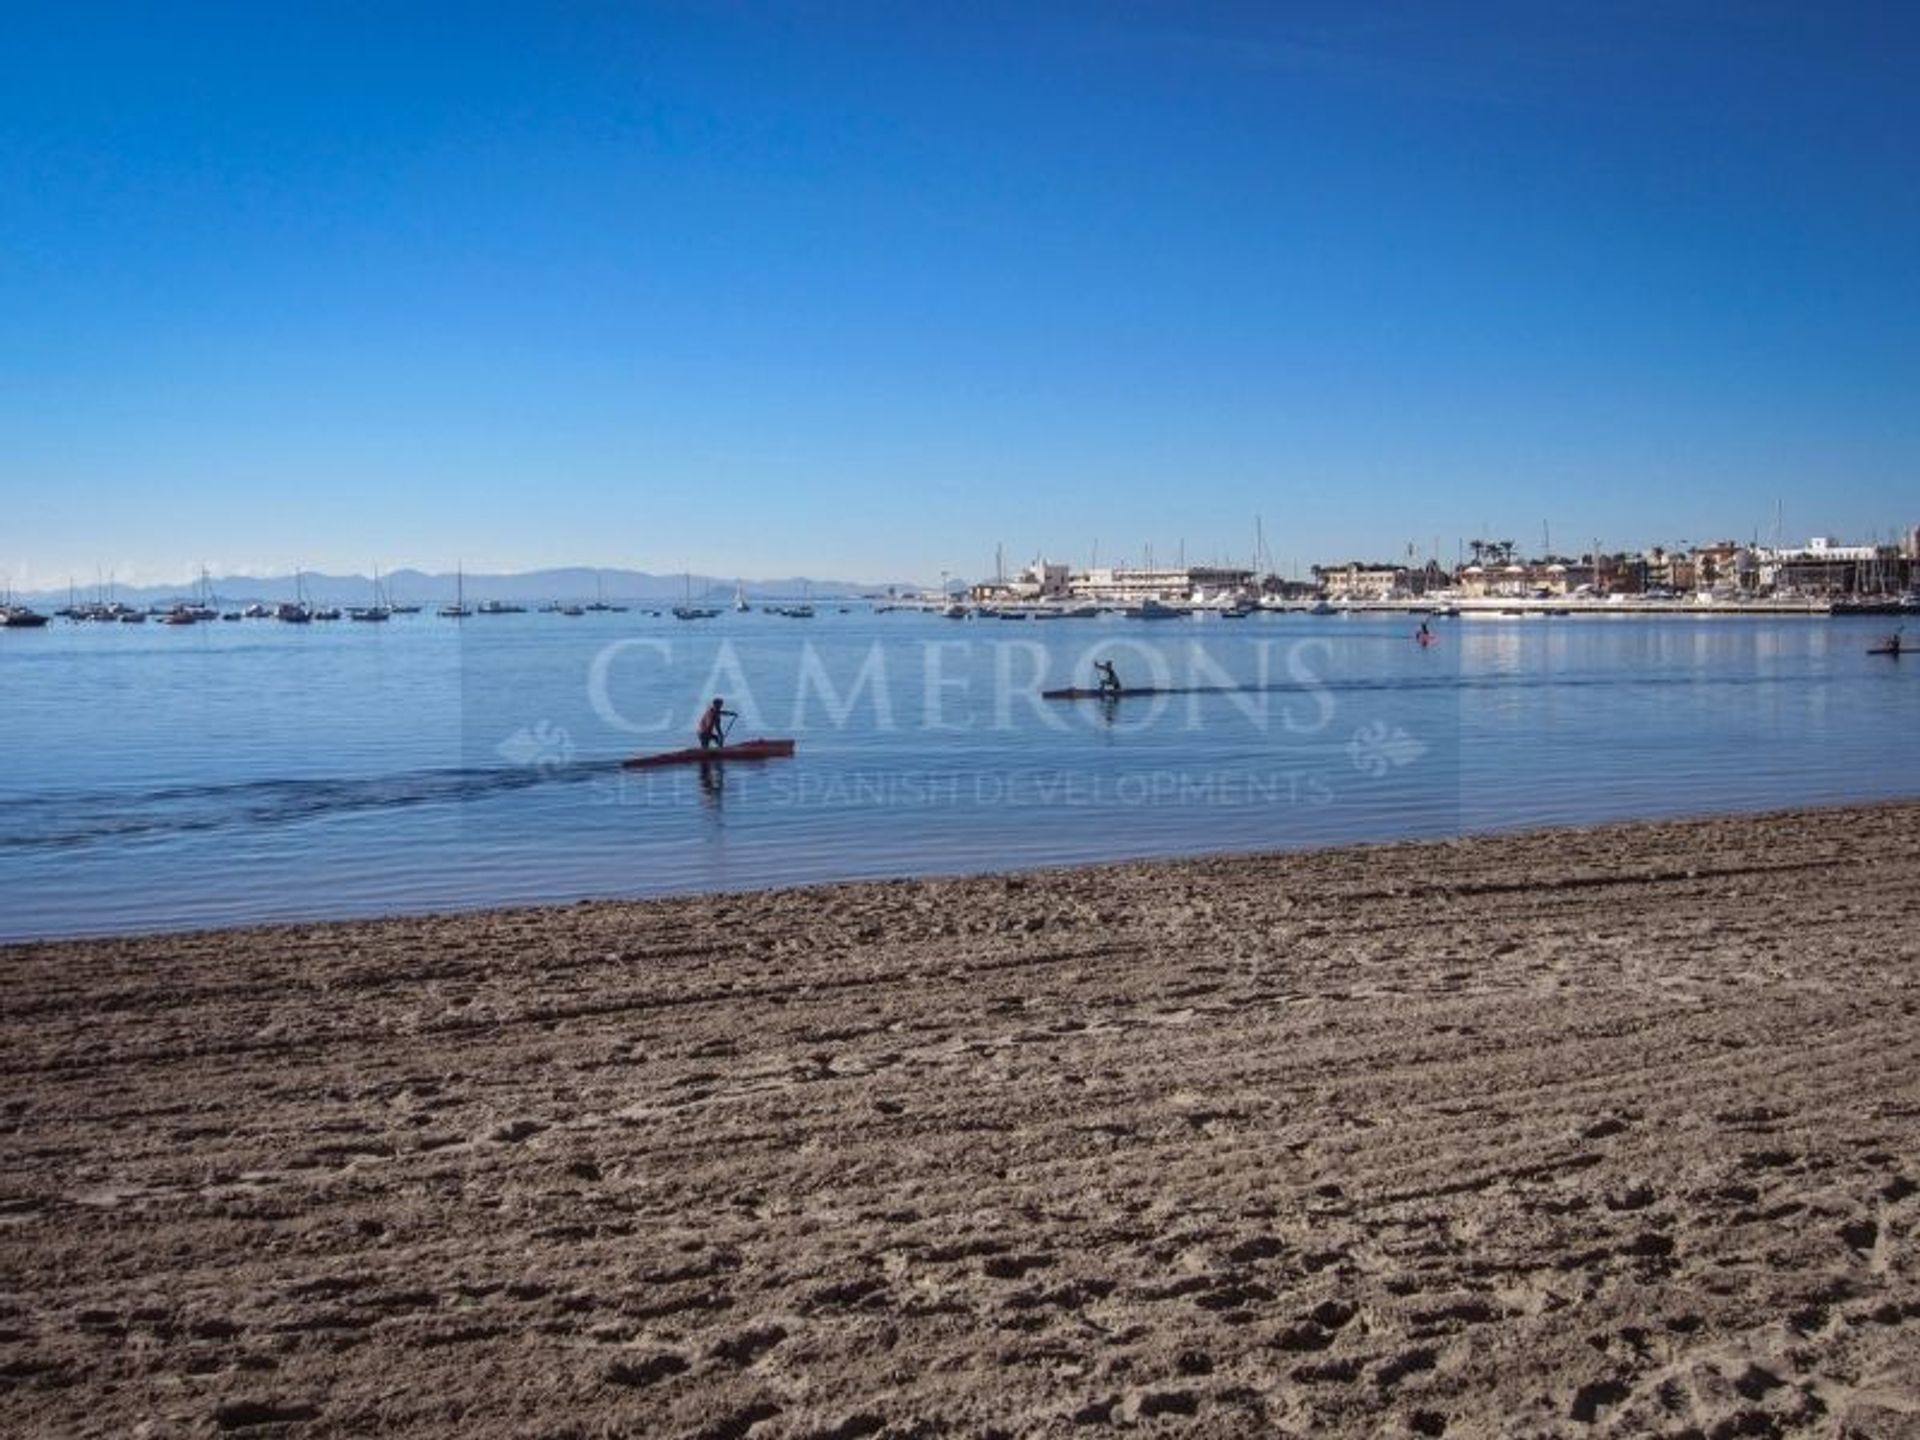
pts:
[1520, 832]
[1608, 1129]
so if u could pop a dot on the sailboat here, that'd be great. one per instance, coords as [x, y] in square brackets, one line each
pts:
[740, 604]
[376, 612]
[295, 611]
[691, 611]
[458, 610]
[205, 604]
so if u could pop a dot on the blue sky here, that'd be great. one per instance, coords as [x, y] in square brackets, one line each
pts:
[861, 289]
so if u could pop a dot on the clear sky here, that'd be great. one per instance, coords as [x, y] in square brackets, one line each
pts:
[861, 289]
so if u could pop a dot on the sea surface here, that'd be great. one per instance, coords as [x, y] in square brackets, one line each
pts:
[166, 778]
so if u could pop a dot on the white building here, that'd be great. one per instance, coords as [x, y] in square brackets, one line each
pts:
[1042, 580]
[1820, 550]
[1818, 567]
[1129, 585]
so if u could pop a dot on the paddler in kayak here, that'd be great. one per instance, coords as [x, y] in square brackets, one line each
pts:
[1109, 677]
[713, 728]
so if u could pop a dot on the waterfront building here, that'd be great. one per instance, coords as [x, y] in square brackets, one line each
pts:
[1044, 581]
[1521, 579]
[1821, 567]
[1183, 584]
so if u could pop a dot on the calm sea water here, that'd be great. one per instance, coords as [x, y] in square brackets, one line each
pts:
[159, 778]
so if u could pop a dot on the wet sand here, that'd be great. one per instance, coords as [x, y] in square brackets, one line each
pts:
[1594, 1132]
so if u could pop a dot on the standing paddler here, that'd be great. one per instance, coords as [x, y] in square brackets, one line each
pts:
[713, 729]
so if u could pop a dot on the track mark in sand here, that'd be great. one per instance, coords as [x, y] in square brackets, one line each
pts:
[1150, 1404]
[1448, 1319]
[1590, 1399]
[1014, 1267]
[640, 1374]
[1304, 1338]
[846, 1294]
[1096, 1412]
[749, 1345]
[513, 1132]
[252, 1414]
[855, 1427]
[1409, 1362]
[737, 1425]
[1332, 1372]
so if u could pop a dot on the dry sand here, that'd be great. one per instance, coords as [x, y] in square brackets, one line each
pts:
[1582, 1133]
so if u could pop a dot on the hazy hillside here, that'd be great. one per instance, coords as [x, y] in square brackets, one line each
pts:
[417, 587]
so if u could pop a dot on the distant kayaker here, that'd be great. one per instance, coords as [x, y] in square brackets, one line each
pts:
[713, 730]
[1424, 635]
[1109, 677]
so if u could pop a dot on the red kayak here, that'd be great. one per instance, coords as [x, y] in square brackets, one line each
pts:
[739, 750]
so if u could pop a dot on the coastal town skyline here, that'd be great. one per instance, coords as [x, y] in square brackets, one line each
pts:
[1821, 563]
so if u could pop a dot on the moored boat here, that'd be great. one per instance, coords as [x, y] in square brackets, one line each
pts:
[458, 609]
[379, 611]
[1152, 609]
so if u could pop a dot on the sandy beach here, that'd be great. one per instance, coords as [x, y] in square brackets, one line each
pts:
[1612, 1131]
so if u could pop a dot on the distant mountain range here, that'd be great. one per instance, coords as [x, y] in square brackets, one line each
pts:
[417, 587]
